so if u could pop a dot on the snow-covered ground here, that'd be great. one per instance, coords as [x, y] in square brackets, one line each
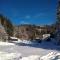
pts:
[5, 43]
[9, 56]
[50, 56]
[41, 51]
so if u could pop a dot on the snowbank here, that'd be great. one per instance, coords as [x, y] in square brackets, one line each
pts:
[6, 43]
[51, 56]
[9, 56]
[20, 41]
[26, 42]
[45, 36]
[13, 38]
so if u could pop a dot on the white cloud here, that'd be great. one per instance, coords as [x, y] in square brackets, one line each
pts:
[24, 22]
[34, 16]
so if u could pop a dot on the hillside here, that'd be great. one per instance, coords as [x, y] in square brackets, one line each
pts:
[30, 32]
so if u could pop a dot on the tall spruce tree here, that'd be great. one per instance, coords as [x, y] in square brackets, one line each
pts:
[7, 24]
[58, 12]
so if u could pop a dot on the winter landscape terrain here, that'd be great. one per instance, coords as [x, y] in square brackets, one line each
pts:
[30, 30]
[26, 50]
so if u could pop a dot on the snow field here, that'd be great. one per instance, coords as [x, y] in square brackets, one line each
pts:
[9, 56]
[50, 56]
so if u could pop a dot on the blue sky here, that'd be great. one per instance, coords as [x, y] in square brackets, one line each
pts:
[29, 11]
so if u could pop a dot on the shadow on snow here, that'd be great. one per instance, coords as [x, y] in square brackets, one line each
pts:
[44, 45]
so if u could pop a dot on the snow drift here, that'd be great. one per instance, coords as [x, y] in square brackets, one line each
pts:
[9, 56]
[51, 56]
